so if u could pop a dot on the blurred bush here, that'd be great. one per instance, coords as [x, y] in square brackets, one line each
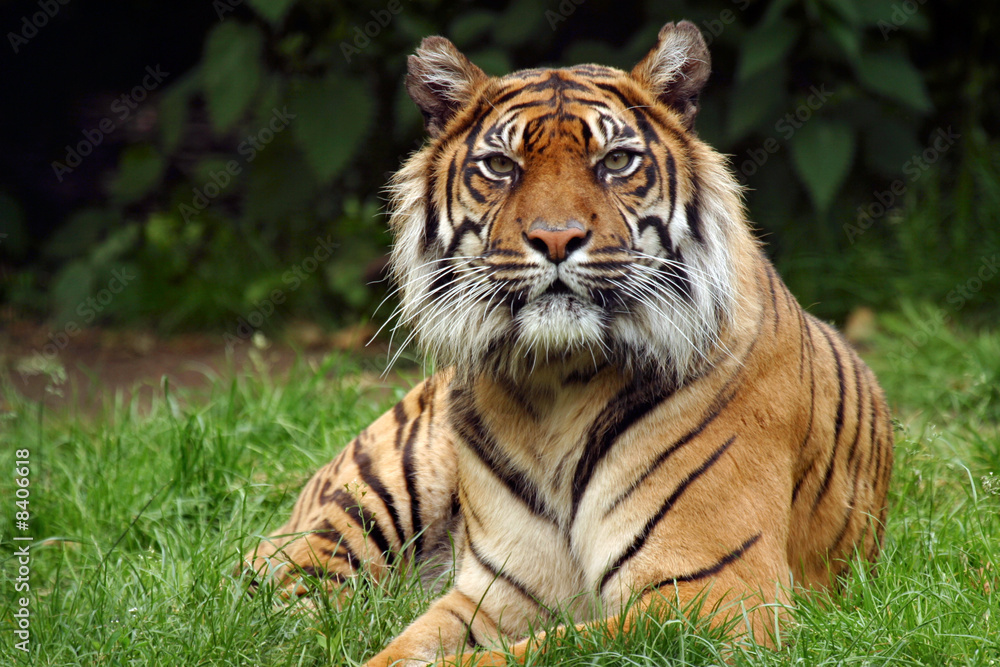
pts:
[258, 179]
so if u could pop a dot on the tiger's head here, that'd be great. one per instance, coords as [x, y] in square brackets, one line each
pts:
[566, 216]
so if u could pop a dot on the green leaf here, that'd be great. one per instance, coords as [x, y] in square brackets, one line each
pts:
[139, 171]
[333, 117]
[471, 27]
[71, 287]
[272, 10]
[847, 37]
[766, 46]
[231, 71]
[174, 112]
[79, 233]
[891, 75]
[821, 153]
[846, 9]
[119, 242]
[523, 21]
[754, 104]
[774, 11]
[870, 12]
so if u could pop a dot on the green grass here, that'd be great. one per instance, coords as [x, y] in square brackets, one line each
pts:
[139, 518]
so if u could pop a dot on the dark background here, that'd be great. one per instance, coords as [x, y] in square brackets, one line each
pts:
[865, 130]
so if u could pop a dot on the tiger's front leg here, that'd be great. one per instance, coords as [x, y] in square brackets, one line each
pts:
[456, 632]
[744, 590]
[454, 624]
[388, 498]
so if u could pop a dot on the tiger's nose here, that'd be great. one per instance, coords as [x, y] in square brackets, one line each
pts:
[556, 242]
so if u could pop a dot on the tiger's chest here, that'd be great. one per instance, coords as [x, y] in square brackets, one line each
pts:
[541, 479]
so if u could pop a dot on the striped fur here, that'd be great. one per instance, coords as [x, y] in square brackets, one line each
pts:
[642, 409]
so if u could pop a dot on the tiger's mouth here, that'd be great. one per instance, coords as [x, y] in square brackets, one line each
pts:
[558, 287]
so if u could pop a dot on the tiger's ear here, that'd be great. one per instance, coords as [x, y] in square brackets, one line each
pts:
[677, 68]
[441, 80]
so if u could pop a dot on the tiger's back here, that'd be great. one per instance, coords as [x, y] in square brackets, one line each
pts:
[635, 401]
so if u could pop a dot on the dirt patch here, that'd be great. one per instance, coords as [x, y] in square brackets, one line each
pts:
[85, 373]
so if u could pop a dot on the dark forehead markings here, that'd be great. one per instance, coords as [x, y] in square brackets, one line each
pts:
[552, 80]
[596, 71]
[585, 132]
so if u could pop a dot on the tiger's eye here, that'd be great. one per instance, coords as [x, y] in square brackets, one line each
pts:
[617, 160]
[501, 164]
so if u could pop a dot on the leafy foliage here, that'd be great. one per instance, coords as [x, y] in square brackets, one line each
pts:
[289, 124]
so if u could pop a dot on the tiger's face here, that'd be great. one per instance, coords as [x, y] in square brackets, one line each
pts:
[565, 216]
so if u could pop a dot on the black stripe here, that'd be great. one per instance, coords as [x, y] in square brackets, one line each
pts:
[469, 426]
[856, 465]
[812, 409]
[719, 404]
[692, 211]
[468, 225]
[672, 274]
[859, 418]
[399, 414]
[366, 520]
[327, 532]
[643, 535]
[714, 569]
[641, 396]
[802, 335]
[659, 227]
[410, 475]
[649, 172]
[431, 220]
[449, 187]
[586, 132]
[323, 497]
[838, 424]
[374, 482]
[506, 578]
[467, 174]
[618, 93]
[470, 639]
[672, 184]
[774, 296]
[876, 443]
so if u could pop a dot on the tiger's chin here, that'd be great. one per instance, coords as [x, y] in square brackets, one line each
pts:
[559, 325]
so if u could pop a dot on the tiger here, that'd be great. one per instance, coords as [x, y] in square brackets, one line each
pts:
[632, 412]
